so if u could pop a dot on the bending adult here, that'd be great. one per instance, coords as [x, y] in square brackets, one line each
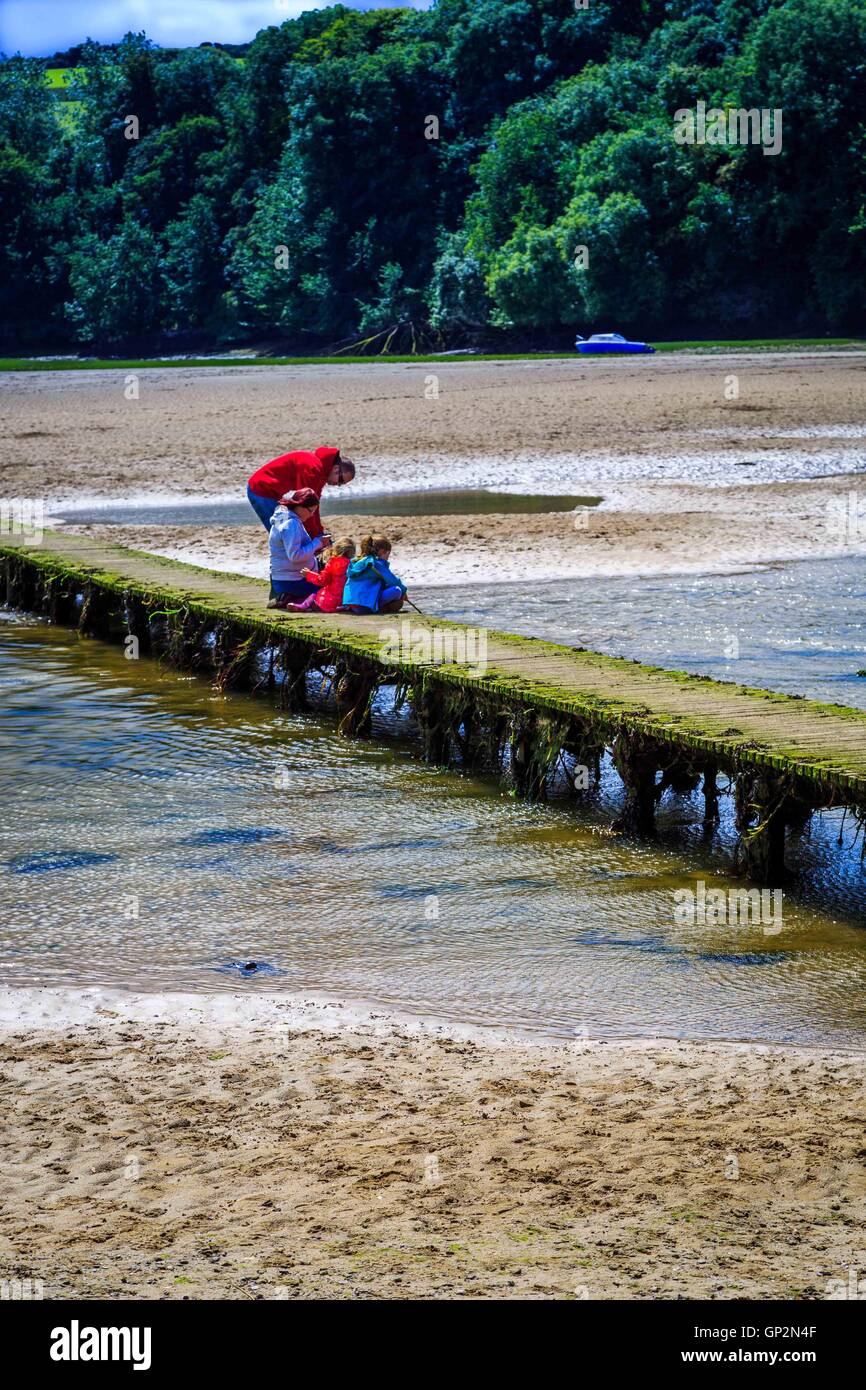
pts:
[324, 467]
[292, 550]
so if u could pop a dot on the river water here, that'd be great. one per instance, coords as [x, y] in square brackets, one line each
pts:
[156, 834]
[799, 628]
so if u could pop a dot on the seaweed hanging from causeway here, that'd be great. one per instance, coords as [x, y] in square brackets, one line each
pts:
[507, 722]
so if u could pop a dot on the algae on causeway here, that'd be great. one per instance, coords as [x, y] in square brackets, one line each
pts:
[531, 701]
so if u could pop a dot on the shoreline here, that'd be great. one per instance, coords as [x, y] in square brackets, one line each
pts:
[693, 481]
[55, 1010]
[244, 355]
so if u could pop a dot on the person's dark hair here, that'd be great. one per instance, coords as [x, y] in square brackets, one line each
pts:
[301, 497]
[347, 468]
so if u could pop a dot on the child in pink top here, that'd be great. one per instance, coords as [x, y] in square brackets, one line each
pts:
[330, 580]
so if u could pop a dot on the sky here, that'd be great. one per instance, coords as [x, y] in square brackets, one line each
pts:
[40, 27]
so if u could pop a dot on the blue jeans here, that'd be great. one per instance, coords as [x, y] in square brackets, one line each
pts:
[385, 596]
[295, 588]
[264, 507]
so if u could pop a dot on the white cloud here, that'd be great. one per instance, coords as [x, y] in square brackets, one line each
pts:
[43, 26]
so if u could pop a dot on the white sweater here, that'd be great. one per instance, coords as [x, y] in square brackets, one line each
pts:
[290, 546]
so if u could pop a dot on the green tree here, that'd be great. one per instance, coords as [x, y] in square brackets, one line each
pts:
[194, 269]
[118, 286]
[30, 140]
[356, 171]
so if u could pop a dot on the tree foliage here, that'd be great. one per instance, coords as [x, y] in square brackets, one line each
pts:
[478, 166]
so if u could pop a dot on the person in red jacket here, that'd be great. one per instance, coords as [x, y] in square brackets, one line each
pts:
[330, 581]
[291, 472]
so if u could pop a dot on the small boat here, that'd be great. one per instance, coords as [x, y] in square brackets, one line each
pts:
[609, 342]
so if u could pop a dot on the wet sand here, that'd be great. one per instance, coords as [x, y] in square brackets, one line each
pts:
[667, 529]
[71, 436]
[204, 430]
[190, 1147]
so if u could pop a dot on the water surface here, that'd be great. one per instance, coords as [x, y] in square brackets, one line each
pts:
[799, 628]
[155, 834]
[342, 502]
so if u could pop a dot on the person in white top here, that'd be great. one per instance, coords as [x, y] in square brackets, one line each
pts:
[291, 549]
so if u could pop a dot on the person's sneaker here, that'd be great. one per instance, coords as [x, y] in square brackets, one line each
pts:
[275, 603]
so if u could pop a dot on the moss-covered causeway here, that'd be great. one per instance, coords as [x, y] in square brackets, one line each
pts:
[520, 704]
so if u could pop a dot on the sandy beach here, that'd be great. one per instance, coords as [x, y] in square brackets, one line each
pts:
[204, 430]
[244, 1146]
[567, 426]
[193, 1147]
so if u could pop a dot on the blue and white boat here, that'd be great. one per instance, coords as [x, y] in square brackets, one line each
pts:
[609, 342]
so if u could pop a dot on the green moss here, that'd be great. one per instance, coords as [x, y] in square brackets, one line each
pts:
[169, 585]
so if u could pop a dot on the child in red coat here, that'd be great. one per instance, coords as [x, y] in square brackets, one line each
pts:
[330, 580]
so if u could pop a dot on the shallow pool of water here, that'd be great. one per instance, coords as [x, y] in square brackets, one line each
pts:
[155, 834]
[430, 502]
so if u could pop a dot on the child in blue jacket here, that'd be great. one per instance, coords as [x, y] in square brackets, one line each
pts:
[371, 585]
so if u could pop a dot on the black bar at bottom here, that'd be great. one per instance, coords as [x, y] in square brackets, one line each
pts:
[165, 1338]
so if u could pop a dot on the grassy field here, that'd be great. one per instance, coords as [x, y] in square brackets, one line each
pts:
[59, 80]
[63, 364]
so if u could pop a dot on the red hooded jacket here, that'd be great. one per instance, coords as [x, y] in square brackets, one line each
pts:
[296, 470]
[331, 581]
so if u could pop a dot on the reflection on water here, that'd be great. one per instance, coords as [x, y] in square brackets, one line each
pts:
[798, 628]
[156, 834]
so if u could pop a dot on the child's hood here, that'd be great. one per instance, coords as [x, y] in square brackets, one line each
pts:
[363, 562]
